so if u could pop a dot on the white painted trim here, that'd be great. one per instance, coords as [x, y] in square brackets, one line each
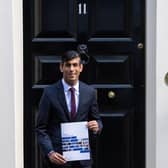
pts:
[17, 23]
[7, 119]
[151, 83]
[161, 87]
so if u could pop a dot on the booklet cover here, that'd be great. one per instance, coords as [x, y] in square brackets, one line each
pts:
[75, 141]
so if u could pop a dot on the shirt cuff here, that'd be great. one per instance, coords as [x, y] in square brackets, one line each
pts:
[50, 153]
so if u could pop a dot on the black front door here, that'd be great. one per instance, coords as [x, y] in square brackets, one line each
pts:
[113, 31]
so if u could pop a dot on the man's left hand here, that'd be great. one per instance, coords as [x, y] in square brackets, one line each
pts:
[93, 125]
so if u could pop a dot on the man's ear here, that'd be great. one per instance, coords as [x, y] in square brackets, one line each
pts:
[81, 67]
[61, 67]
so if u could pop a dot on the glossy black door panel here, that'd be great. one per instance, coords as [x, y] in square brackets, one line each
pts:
[116, 149]
[46, 69]
[110, 18]
[53, 19]
[115, 98]
[106, 66]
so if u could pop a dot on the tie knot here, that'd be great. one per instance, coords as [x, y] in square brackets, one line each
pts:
[72, 89]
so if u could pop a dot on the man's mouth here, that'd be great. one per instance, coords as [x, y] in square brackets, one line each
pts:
[71, 75]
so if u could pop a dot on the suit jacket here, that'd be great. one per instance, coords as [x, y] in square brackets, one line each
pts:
[53, 110]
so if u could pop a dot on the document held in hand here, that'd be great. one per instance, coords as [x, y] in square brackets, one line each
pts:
[75, 141]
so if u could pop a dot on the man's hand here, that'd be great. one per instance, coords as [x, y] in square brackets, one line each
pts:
[57, 158]
[93, 125]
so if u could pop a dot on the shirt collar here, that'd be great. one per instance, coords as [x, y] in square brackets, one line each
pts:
[66, 86]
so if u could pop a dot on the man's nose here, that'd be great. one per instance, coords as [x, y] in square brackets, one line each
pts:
[71, 67]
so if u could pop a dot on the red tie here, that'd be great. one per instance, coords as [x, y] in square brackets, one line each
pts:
[73, 104]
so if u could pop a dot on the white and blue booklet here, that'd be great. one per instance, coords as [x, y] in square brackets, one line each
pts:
[75, 141]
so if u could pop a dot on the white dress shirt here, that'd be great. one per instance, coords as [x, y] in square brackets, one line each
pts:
[68, 94]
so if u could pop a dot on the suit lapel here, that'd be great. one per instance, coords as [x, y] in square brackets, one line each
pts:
[62, 100]
[81, 99]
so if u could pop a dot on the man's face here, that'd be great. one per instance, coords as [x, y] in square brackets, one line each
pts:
[71, 70]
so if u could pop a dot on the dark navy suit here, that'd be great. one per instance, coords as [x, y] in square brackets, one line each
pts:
[53, 110]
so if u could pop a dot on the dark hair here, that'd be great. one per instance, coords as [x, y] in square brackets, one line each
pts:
[69, 55]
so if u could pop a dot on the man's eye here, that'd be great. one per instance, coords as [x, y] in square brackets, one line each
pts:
[75, 65]
[68, 65]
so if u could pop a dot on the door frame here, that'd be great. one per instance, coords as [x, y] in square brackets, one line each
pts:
[17, 47]
[151, 83]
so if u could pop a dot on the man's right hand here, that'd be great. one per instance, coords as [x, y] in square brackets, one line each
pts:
[56, 158]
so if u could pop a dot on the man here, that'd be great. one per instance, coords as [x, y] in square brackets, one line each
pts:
[56, 107]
